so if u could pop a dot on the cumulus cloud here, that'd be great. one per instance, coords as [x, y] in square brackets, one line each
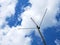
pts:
[15, 35]
[11, 36]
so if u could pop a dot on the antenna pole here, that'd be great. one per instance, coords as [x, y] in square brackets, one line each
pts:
[43, 40]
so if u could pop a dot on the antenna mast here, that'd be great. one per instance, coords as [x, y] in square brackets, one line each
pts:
[44, 42]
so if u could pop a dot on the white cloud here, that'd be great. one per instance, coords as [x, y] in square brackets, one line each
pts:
[57, 42]
[15, 37]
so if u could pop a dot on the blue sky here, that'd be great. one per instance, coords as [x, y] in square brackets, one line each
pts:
[50, 33]
[13, 20]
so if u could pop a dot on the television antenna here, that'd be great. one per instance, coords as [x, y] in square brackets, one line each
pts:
[38, 27]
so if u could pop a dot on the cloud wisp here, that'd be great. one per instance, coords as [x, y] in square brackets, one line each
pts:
[57, 42]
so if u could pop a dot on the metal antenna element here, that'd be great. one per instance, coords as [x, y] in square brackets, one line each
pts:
[34, 22]
[43, 17]
[27, 28]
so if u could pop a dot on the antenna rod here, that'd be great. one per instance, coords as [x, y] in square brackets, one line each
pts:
[34, 21]
[43, 17]
[27, 28]
[43, 40]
